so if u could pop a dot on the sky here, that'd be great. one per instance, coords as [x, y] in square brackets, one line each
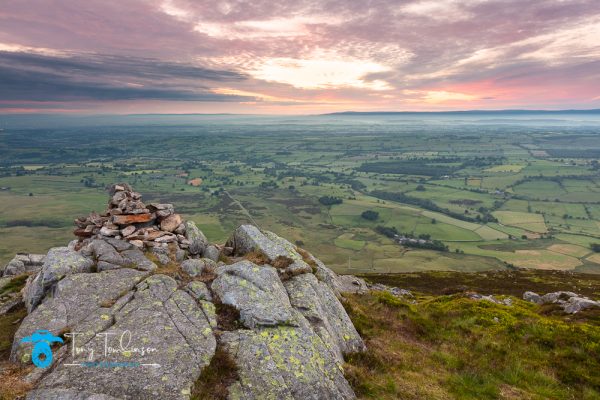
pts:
[297, 56]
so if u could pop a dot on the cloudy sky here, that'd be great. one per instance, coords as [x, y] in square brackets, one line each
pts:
[297, 56]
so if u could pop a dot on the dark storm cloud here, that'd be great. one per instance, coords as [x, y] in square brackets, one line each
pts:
[26, 76]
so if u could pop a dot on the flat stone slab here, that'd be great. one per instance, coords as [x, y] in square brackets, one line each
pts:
[132, 219]
[160, 317]
[75, 298]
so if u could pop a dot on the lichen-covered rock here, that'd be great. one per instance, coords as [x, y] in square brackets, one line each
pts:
[162, 254]
[280, 252]
[351, 284]
[59, 262]
[160, 317]
[104, 251]
[66, 394]
[328, 318]
[198, 241]
[23, 264]
[195, 267]
[198, 290]
[248, 238]
[135, 258]
[284, 362]
[211, 252]
[256, 292]
[74, 299]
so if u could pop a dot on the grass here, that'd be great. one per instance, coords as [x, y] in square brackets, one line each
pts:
[505, 168]
[452, 347]
[316, 162]
[529, 221]
[215, 379]
[346, 241]
[508, 282]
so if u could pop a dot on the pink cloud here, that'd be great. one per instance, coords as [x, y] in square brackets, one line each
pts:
[301, 56]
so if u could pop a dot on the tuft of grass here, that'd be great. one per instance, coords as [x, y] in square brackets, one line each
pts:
[8, 326]
[282, 262]
[171, 269]
[228, 317]
[16, 284]
[216, 378]
[453, 347]
[256, 257]
[307, 258]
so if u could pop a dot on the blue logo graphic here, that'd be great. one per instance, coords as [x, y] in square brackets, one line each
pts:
[42, 341]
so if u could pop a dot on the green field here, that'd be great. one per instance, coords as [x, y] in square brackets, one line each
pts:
[487, 191]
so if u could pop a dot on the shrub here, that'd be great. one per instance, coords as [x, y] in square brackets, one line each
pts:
[330, 200]
[370, 215]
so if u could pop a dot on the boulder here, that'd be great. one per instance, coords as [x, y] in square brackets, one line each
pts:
[162, 254]
[74, 299]
[170, 223]
[351, 284]
[280, 252]
[198, 241]
[328, 318]
[23, 264]
[248, 238]
[59, 262]
[284, 362]
[160, 318]
[118, 244]
[256, 292]
[532, 297]
[212, 253]
[137, 259]
[576, 304]
[195, 267]
[104, 251]
[570, 302]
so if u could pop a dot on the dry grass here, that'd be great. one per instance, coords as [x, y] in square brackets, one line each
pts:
[256, 257]
[13, 386]
[171, 269]
[307, 258]
[228, 317]
[215, 379]
[282, 262]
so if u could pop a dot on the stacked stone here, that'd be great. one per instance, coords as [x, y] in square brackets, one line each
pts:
[129, 219]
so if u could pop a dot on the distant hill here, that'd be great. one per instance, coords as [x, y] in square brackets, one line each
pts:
[465, 112]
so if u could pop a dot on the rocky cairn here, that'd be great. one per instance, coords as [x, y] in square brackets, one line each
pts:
[128, 218]
[271, 308]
